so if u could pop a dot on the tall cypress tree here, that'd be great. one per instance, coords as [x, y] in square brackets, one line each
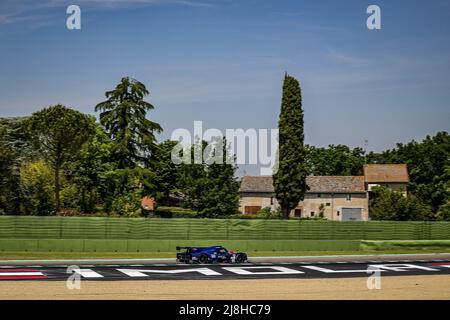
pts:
[290, 179]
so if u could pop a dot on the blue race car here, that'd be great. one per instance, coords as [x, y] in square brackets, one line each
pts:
[213, 254]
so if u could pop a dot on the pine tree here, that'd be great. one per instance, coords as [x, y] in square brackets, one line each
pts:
[123, 115]
[290, 178]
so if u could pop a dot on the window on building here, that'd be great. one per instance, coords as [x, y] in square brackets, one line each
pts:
[338, 213]
[319, 195]
[251, 209]
[328, 204]
[312, 213]
[271, 200]
[349, 197]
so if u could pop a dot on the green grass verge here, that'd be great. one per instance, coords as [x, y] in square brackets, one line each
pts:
[20, 255]
[405, 244]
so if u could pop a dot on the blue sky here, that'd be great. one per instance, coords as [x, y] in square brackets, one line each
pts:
[223, 62]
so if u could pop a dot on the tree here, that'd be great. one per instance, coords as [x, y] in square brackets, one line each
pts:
[16, 137]
[321, 210]
[126, 187]
[444, 211]
[392, 205]
[222, 196]
[337, 160]
[428, 164]
[166, 171]
[211, 189]
[124, 118]
[290, 179]
[37, 187]
[15, 148]
[88, 171]
[59, 133]
[6, 168]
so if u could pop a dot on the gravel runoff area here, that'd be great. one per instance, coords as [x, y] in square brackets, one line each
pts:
[392, 287]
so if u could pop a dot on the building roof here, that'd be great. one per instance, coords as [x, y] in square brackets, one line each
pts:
[379, 173]
[316, 184]
[148, 203]
[338, 184]
[257, 184]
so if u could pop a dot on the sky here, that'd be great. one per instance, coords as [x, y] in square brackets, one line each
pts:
[223, 62]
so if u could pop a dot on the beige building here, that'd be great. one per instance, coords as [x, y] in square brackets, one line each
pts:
[333, 197]
[394, 176]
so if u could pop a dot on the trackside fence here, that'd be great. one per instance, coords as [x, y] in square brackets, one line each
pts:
[32, 227]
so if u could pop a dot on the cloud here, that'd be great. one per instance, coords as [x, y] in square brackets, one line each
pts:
[130, 3]
[430, 61]
[348, 59]
[13, 11]
[4, 19]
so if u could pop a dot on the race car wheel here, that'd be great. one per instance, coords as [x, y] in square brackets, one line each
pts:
[203, 258]
[240, 258]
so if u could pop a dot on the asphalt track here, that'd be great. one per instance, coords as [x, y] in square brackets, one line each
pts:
[275, 268]
[424, 257]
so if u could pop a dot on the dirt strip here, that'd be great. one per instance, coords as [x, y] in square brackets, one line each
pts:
[404, 287]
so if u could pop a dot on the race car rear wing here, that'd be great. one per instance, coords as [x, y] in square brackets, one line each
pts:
[179, 248]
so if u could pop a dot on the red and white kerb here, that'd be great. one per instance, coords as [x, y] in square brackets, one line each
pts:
[18, 274]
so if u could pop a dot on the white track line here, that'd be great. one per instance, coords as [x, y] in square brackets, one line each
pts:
[357, 255]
